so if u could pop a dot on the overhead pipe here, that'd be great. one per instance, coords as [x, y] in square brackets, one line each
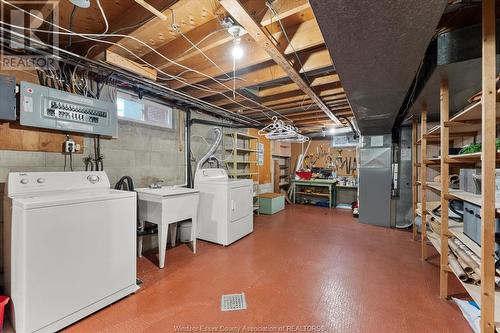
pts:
[219, 124]
[126, 77]
[189, 174]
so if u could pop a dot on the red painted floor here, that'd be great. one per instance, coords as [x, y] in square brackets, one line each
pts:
[304, 266]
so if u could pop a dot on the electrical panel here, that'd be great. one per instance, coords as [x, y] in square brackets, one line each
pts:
[50, 108]
[7, 97]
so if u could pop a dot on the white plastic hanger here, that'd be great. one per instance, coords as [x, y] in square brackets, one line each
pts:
[278, 130]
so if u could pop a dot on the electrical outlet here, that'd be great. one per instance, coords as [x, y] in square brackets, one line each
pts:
[69, 146]
[78, 147]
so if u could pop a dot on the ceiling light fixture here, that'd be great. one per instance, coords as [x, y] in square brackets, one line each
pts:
[333, 130]
[237, 51]
[81, 3]
[236, 31]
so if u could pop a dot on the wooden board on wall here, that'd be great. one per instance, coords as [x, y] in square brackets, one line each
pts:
[325, 145]
[16, 137]
[264, 170]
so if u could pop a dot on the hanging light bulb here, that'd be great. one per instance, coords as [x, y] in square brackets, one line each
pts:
[236, 31]
[237, 50]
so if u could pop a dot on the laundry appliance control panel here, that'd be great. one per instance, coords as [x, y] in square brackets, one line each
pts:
[28, 182]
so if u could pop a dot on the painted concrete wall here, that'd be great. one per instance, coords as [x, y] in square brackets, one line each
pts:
[143, 152]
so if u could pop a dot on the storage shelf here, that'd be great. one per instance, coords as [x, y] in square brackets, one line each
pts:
[242, 149]
[471, 158]
[464, 123]
[237, 174]
[473, 290]
[434, 186]
[241, 162]
[242, 135]
[315, 194]
[461, 195]
[446, 90]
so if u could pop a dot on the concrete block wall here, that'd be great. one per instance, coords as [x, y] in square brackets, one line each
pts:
[145, 153]
[140, 152]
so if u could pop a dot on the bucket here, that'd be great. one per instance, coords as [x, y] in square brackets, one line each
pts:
[304, 175]
[3, 302]
[185, 232]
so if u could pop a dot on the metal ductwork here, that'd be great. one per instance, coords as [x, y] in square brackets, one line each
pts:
[377, 47]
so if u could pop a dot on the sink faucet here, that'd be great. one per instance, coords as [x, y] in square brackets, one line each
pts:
[156, 185]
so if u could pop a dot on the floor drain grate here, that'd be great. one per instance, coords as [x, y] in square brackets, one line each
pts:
[233, 302]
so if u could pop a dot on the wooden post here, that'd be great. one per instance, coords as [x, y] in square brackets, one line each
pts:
[414, 178]
[423, 180]
[488, 168]
[445, 143]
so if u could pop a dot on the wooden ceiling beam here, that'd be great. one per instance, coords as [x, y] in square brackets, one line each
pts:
[313, 60]
[296, 103]
[305, 36]
[134, 16]
[307, 122]
[318, 117]
[299, 112]
[238, 12]
[318, 81]
[327, 88]
[180, 49]
[176, 49]
[284, 8]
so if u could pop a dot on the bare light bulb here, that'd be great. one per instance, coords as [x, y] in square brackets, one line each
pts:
[332, 130]
[237, 51]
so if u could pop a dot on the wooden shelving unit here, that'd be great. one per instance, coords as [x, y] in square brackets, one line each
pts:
[242, 151]
[479, 117]
[241, 159]
[282, 166]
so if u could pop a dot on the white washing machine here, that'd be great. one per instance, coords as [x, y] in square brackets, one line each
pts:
[69, 250]
[225, 209]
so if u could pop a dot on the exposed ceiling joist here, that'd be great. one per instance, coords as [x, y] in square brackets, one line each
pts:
[283, 9]
[296, 103]
[318, 81]
[235, 8]
[305, 35]
[313, 60]
[135, 15]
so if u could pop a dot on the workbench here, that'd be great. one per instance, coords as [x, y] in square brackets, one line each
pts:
[319, 183]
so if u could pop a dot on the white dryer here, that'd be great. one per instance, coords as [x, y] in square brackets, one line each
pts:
[69, 250]
[225, 210]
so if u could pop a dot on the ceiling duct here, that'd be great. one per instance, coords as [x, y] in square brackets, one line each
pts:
[377, 47]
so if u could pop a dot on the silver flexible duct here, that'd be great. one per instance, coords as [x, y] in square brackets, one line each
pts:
[212, 149]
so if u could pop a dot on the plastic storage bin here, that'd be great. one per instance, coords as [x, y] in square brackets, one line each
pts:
[472, 222]
[185, 231]
[271, 203]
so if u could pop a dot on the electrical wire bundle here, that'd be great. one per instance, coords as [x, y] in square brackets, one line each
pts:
[95, 162]
[100, 38]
